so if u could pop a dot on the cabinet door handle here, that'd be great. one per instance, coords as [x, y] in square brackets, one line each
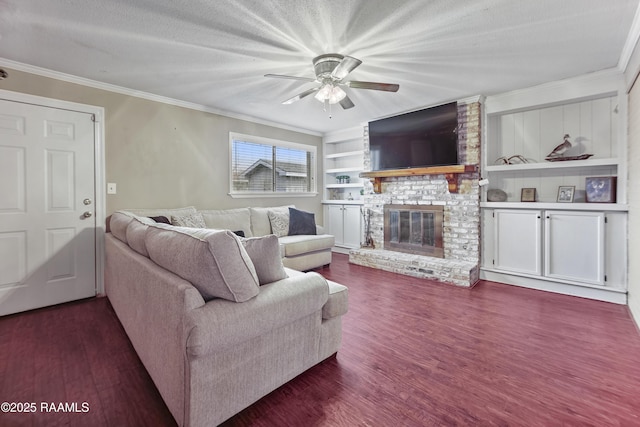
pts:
[548, 217]
[539, 217]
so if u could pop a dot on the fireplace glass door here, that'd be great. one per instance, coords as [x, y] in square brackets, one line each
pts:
[414, 229]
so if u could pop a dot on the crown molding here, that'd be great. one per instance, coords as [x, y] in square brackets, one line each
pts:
[630, 43]
[69, 78]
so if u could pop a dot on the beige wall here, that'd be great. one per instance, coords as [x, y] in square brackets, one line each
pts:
[160, 155]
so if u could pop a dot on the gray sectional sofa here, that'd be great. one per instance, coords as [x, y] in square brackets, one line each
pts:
[300, 252]
[217, 320]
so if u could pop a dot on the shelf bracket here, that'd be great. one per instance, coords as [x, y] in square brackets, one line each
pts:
[452, 180]
[377, 185]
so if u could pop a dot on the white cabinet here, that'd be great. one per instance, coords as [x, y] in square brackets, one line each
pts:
[577, 252]
[344, 223]
[574, 246]
[518, 242]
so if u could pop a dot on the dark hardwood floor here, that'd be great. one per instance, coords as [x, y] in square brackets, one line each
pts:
[414, 353]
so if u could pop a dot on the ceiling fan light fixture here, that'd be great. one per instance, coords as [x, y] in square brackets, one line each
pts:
[331, 93]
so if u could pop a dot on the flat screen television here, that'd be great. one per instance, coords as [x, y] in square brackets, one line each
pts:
[421, 138]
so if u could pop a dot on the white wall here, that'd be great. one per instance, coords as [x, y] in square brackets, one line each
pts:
[633, 188]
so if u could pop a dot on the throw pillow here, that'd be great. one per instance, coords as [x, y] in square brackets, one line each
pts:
[301, 222]
[279, 222]
[214, 261]
[160, 219]
[265, 254]
[192, 220]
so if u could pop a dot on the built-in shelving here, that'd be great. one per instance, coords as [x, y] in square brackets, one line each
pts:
[569, 164]
[530, 123]
[606, 207]
[350, 185]
[345, 170]
[343, 155]
[592, 121]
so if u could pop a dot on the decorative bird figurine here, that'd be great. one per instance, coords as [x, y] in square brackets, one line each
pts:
[560, 149]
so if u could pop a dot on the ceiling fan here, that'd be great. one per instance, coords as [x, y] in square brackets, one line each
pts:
[330, 70]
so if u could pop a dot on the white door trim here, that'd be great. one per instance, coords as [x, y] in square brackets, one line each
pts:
[100, 200]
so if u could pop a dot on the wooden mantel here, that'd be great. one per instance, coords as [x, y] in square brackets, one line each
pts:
[450, 172]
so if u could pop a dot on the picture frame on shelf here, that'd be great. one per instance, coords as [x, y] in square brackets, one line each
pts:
[600, 189]
[565, 193]
[528, 195]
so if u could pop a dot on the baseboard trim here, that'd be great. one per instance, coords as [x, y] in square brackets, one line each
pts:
[613, 295]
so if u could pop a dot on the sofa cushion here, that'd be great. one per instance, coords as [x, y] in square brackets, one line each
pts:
[229, 219]
[279, 222]
[136, 231]
[214, 261]
[301, 222]
[298, 245]
[194, 220]
[164, 212]
[264, 252]
[338, 303]
[260, 224]
[118, 224]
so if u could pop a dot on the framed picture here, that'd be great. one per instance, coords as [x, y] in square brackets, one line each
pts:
[600, 189]
[565, 193]
[528, 195]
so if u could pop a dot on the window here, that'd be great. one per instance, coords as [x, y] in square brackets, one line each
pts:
[262, 166]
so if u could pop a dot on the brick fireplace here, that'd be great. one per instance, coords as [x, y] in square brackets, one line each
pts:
[457, 262]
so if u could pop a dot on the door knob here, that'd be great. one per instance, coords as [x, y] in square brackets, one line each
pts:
[86, 201]
[87, 214]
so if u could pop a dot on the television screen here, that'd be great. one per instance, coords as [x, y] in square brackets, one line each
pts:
[421, 138]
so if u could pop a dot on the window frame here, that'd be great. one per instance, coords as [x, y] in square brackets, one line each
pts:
[312, 149]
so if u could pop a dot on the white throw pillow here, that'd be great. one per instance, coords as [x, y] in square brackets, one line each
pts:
[194, 220]
[279, 222]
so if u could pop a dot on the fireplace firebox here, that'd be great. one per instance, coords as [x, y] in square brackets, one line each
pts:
[414, 229]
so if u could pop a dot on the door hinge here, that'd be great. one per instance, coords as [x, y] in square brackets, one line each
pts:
[493, 261]
[493, 214]
[606, 220]
[93, 118]
[605, 277]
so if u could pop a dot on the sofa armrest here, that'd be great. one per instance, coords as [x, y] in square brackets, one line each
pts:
[221, 324]
[319, 229]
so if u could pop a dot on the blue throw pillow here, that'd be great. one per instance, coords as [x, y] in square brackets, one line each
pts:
[301, 222]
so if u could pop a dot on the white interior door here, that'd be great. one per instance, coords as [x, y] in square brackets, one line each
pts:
[47, 206]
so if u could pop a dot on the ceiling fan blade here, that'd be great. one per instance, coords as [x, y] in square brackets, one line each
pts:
[346, 103]
[282, 76]
[347, 65]
[301, 95]
[387, 87]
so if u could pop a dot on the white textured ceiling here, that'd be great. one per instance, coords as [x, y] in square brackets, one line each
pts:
[215, 52]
